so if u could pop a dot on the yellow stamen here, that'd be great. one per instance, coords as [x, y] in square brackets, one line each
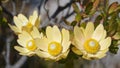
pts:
[91, 46]
[54, 48]
[31, 45]
[27, 24]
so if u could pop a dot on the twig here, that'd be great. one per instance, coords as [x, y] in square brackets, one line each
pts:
[59, 9]
[23, 5]
[40, 5]
[7, 12]
[68, 15]
[20, 62]
[14, 7]
[47, 11]
[8, 40]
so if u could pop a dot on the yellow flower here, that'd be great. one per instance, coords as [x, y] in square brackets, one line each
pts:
[27, 42]
[22, 23]
[92, 43]
[55, 46]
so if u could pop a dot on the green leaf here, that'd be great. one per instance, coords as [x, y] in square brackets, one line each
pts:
[89, 8]
[78, 14]
[76, 8]
[94, 8]
[78, 18]
[118, 8]
[112, 7]
[74, 23]
[95, 4]
[98, 20]
[114, 47]
[83, 24]
[118, 21]
[85, 2]
[0, 9]
[4, 20]
[112, 28]
[112, 24]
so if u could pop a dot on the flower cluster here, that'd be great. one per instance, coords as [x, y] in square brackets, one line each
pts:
[90, 42]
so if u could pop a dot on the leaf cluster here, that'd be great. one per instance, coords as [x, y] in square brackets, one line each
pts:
[99, 11]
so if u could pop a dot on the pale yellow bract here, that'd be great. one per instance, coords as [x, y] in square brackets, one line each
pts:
[55, 45]
[27, 42]
[93, 44]
[22, 23]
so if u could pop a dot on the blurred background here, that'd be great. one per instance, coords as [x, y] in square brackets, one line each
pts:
[52, 13]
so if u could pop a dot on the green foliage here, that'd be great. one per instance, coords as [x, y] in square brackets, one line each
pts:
[78, 15]
[3, 20]
[76, 8]
[98, 20]
[107, 14]
[88, 8]
[78, 18]
[83, 24]
[113, 7]
[111, 22]
[114, 47]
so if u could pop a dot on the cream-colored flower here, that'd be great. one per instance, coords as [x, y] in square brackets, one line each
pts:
[92, 43]
[56, 45]
[22, 23]
[27, 42]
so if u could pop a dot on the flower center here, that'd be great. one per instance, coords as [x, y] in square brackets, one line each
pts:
[54, 48]
[31, 45]
[27, 24]
[91, 46]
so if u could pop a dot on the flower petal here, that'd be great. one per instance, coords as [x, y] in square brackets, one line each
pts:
[65, 40]
[27, 54]
[101, 56]
[65, 54]
[42, 43]
[89, 30]
[21, 49]
[37, 22]
[102, 53]
[79, 34]
[105, 43]
[98, 33]
[18, 22]
[53, 34]
[98, 55]
[22, 18]
[22, 42]
[15, 29]
[33, 18]
[42, 54]
[86, 57]
[76, 51]
[23, 38]
[104, 35]
[78, 45]
[35, 33]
